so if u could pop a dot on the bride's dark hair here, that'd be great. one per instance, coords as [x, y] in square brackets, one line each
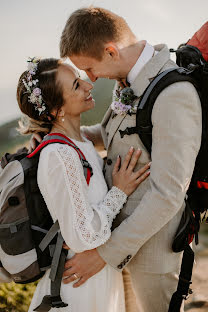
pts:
[51, 92]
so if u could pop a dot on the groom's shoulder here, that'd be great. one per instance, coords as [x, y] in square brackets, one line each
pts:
[168, 65]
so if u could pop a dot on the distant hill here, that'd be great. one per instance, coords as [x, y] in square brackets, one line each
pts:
[102, 93]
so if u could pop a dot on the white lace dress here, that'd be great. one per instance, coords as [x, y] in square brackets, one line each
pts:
[85, 214]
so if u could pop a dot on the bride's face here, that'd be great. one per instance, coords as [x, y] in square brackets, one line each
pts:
[76, 92]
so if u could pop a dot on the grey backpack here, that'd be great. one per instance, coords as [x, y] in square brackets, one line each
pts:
[30, 242]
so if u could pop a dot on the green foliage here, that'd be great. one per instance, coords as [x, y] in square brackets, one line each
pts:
[10, 139]
[16, 297]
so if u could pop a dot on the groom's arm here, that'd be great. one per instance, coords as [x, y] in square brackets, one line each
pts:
[176, 119]
[93, 133]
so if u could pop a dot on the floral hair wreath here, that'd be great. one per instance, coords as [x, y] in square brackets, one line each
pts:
[32, 88]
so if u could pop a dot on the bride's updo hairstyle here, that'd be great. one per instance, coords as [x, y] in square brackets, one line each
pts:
[51, 96]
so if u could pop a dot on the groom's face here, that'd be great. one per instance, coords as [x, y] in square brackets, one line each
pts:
[105, 68]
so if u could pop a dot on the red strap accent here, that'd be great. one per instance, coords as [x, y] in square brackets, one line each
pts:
[43, 144]
[62, 135]
[201, 184]
[88, 176]
[190, 238]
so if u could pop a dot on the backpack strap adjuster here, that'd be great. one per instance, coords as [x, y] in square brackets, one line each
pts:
[56, 302]
[87, 165]
[128, 131]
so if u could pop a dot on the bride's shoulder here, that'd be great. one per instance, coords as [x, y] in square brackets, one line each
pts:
[56, 151]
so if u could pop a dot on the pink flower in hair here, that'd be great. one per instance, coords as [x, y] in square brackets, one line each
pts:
[37, 91]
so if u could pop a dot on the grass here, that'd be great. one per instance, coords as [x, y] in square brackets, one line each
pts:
[16, 297]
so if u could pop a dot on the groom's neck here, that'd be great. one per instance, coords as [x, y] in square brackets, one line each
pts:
[130, 54]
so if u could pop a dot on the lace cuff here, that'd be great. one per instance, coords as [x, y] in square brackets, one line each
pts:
[114, 200]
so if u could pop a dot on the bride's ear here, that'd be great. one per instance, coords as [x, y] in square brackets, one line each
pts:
[58, 113]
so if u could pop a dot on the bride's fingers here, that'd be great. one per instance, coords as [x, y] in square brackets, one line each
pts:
[127, 159]
[143, 177]
[134, 160]
[141, 171]
[117, 165]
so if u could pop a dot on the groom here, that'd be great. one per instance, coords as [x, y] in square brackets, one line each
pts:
[102, 44]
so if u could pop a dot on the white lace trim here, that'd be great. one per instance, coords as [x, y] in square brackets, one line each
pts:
[84, 215]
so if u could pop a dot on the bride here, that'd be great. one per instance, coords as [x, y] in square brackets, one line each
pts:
[54, 103]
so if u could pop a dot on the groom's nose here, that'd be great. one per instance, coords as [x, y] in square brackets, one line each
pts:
[91, 76]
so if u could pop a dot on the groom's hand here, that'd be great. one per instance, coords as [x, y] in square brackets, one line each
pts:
[35, 139]
[82, 266]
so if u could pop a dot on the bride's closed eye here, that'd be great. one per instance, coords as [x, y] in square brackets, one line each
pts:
[77, 85]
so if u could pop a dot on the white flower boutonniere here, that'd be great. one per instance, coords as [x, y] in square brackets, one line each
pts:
[124, 101]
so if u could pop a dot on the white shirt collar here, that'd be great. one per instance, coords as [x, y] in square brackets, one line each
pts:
[144, 57]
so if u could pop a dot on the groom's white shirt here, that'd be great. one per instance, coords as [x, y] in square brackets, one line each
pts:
[144, 57]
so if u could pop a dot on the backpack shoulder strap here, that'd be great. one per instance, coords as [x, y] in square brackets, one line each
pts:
[60, 138]
[145, 106]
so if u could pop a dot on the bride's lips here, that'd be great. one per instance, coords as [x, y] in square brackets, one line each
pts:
[89, 98]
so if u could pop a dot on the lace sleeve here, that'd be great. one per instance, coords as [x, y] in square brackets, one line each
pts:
[91, 224]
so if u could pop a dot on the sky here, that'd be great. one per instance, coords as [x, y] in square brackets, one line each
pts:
[33, 28]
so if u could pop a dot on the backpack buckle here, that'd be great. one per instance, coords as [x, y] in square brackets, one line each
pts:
[190, 292]
[86, 164]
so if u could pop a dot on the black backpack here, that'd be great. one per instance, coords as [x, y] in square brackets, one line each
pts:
[29, 239]
[193, 68]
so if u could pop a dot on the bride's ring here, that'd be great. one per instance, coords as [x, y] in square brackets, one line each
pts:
[76, 276]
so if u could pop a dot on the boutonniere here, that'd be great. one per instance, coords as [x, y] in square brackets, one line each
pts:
[124, 101]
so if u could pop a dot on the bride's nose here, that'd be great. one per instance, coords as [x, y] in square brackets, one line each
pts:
[88, 86]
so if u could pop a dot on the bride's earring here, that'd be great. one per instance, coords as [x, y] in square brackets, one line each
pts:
[62, 119]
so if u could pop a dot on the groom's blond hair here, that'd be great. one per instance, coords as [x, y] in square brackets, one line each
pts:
[88, 29]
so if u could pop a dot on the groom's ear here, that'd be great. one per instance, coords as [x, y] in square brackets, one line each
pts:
[111, 50]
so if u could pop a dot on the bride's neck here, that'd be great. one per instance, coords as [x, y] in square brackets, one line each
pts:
[70, 128]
